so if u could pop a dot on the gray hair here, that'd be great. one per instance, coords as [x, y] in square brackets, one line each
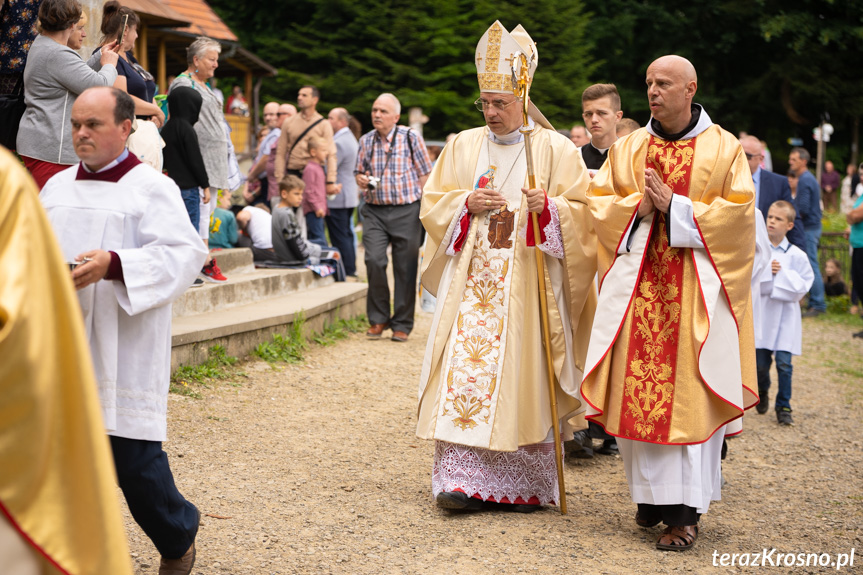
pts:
[199, 47]
[803, 153]
[396, 104]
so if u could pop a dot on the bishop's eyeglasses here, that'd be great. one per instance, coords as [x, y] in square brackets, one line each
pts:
[497, 104]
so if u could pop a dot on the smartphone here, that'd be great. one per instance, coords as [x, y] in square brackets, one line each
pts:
[73, 265]
[122, 31]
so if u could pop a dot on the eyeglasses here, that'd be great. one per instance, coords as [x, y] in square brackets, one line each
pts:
[498, 105]
[750, 156]
[282, 114]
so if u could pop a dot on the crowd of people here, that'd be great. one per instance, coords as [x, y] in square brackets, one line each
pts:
[621, 222]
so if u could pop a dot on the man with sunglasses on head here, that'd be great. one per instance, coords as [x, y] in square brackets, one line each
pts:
[484, 394]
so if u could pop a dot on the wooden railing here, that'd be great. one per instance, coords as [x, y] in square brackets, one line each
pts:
[241, 133]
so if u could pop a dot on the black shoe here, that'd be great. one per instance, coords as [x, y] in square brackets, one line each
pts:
[511, 507]
[609, 447]
[763, 403]
[783, 416]
[858, 334]
[456, 500]
[812, 312]
[581, 445]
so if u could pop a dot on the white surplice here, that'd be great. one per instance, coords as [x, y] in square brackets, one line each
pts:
[142, 218]
[781, 328]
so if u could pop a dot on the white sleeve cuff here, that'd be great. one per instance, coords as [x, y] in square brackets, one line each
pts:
[683, 232]
[456, 231]
[553, 244]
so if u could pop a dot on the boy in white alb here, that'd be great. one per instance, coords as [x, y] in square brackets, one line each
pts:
[783, 285]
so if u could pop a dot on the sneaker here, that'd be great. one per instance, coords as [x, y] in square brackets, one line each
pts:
[212, 273]
[763, 403]
[812, 312]
[783, 416]
[197, 283]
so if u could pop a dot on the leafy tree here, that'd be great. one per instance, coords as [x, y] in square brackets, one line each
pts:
[420, 50]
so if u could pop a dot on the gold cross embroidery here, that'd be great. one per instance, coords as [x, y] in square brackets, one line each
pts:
[509, 60]
[666, 160]
[646, 396]
[478, 58]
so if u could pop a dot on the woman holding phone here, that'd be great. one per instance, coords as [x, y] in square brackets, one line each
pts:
[120, 24]
[53, 77]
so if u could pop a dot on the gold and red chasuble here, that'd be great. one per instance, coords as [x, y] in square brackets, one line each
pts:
[651, 363]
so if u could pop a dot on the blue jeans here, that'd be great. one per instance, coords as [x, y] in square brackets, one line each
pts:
[191, 197]
[763, 359]
[315, 229]
[342, 235]
[816, 293]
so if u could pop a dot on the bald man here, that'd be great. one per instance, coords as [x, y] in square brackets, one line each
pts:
[671, 363]
[272, 119]
[770, 187]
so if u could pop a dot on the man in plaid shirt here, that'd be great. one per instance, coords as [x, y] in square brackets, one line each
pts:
[392, 167]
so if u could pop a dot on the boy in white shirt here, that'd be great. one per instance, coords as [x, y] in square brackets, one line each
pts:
[783, 285]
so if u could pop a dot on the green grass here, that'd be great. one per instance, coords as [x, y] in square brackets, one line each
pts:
[286, 348]
[291, 347]
[333, 332]
[219, 365]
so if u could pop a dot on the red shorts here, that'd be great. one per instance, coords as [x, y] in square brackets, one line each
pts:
[42, 171]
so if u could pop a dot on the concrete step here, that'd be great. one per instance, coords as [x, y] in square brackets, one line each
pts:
[245, 288]
[239, 329]
[234, 261]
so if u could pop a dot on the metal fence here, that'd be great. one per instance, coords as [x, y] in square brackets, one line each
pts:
[835, 245]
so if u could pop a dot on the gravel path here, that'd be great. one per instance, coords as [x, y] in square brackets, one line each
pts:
[315, 469]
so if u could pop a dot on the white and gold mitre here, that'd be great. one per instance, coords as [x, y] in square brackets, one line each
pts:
[495, 54]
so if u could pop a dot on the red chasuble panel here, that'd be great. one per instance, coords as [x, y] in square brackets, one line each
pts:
[651, 362]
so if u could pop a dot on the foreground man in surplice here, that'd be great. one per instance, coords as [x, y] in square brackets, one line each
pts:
[484, 394]
[671, 364]
[126, 223]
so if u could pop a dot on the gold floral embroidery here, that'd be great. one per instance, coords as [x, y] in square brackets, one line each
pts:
[473, 368]
[671, 158]
[649, 386]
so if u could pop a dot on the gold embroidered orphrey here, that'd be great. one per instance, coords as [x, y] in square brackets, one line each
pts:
[652, 357]
[477, 349]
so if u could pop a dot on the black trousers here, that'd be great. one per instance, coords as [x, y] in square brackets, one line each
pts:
[163, 513]
[678, 515]
[341, 231]
[400, 226]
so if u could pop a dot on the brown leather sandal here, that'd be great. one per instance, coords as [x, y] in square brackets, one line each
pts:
[678, 538]
[646, 523]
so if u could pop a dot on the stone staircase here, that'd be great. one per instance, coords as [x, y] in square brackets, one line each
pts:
[253, 305]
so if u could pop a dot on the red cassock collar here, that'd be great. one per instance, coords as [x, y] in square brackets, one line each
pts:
[112, 175]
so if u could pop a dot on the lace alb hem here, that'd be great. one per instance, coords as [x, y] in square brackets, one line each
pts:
[456, 232]
[528, 472]
[553, 244]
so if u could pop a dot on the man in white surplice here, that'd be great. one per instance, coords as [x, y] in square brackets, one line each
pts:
[484, 394]
[126, 225]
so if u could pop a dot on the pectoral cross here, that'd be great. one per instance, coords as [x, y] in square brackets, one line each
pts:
[646, 396]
